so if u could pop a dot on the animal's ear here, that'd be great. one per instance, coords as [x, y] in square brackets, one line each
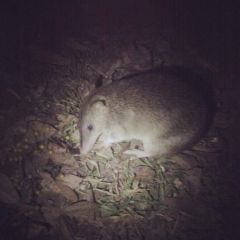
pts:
[99, 101]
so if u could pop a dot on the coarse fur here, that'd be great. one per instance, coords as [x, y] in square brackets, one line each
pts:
[167, 109]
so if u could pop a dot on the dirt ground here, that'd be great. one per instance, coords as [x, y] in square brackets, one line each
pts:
[53, 54]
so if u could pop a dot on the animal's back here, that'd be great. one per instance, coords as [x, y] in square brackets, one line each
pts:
[159, 96]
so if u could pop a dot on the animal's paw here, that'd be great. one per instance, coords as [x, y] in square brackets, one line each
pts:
[136, 152]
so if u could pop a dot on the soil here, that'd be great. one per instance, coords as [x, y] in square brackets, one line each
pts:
[53, 54]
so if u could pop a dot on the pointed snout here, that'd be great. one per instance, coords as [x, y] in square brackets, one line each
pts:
[85, 147]
[84, 150]
[87, 144]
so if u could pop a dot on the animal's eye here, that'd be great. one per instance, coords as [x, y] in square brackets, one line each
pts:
[90, 127]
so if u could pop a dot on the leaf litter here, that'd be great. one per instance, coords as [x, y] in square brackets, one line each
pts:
[135, 198]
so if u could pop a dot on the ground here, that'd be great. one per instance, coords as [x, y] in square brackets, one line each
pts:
[48, 191]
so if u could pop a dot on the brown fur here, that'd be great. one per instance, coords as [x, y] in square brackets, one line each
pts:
[165, 111]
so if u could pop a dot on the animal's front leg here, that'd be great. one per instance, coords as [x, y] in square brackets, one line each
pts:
[137, 152]
[148, 149]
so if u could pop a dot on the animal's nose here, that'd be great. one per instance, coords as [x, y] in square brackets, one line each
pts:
[83, 149]
[82, 152]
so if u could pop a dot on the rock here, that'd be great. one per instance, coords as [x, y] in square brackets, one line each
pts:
[71, 181]
[67, 192]
[62, 158]
[83, 210]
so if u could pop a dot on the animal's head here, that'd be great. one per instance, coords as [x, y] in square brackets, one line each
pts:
[93, 121]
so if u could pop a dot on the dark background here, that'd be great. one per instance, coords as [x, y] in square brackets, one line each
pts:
[212, 25]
